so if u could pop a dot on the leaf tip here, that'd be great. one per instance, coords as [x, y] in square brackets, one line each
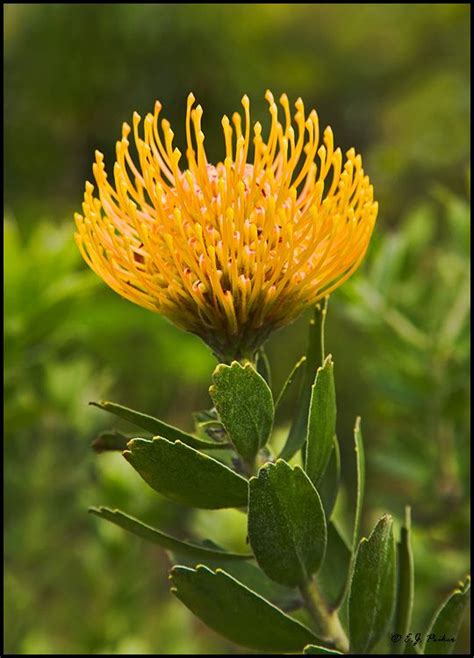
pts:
[408, 517]
[465, 586]
[200, 568]
[218, 371]
[328, 361]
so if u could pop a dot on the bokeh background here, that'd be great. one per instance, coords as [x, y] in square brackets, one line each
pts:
[393, 81]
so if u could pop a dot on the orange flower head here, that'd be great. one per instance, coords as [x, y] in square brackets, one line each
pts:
[235, 250]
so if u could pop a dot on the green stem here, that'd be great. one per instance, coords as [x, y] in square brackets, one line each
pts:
[327, 621]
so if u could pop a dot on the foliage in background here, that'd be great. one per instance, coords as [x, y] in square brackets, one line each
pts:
[396, 86]
[55, 561]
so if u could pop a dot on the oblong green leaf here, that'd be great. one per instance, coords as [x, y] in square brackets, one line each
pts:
[240, 566]
[286, 524]
[447, 621]
[329, 487]
[155, 426]
[249, 574]
[185, 475]
[169, 543]
[314, 359]
[360, 461]
[237, 613]
[372, 594]
[289, 381]
[321, 423]
[245, 406]
[405, 585]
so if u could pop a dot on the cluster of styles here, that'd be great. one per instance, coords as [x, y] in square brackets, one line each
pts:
[231, 253]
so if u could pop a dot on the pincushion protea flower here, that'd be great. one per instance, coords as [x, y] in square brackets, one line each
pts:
[235, 250]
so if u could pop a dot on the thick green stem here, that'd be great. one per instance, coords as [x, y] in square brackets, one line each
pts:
[328, 622]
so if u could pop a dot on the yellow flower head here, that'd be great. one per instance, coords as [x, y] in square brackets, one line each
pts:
[235, 250]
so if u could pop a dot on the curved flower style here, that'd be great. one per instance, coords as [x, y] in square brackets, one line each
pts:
[235, 250]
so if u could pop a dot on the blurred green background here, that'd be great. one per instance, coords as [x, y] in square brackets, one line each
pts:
[393, 81]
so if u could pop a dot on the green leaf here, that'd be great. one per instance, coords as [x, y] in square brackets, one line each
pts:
[155, 426]
[406, 584]
[334, 573]
[321, 423]
[169, 543]
[245, 406]
[185, 475]
[372, 594]
[329, 486]
[290, 379]
[314, 359]
[286, 524]
[313, 649]
[250, 575]
[237, 613]
[447, 621]
[360, 459]
[110, 440]
[238, 565]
